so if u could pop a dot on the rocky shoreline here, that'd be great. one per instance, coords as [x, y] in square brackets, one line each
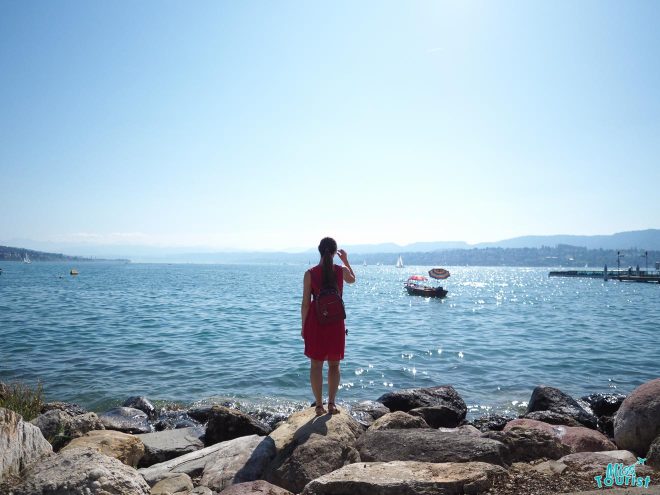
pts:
[410, 442]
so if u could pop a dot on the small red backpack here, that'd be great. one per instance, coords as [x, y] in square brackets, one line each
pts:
[329, 305]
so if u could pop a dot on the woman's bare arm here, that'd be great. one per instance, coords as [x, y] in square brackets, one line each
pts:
[349, 276]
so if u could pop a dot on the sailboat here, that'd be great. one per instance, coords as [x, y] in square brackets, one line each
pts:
[399, 262]
[365, 263]
[26, 259]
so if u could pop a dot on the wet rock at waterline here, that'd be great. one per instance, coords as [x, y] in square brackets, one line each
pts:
[126, 419]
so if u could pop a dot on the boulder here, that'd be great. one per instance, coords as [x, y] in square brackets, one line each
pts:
[491, 422]
[368, 411]
[226, 424]
[143, 404]
[525, 445]
[637, 422]
[398, 420]
[407, 478]
[165, 445]
[582, 439]
[604, 404]
[589, 463]
[200, 413]
[259, 487]
[428, 445]
[309, 446]
[238, 460]
[439, 416]
[20, 444]
[441, 396]
[552, 418]
[299, 426]
[174, 420]
[81, 471]
[653, 455]
[552, 399]
[319, 455]
[67, 407]
[578, 438]
[179, 482]
[191, 464]
[59, 427]
[122, 446]
[126, 419]
[202, 490]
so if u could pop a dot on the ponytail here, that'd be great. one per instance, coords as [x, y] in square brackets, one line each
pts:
[327, 250]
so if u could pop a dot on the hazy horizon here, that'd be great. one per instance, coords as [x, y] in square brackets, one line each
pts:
[265, 126]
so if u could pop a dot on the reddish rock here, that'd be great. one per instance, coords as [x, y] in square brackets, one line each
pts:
[637, 422]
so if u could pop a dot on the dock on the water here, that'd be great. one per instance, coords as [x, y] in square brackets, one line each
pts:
[621, 275]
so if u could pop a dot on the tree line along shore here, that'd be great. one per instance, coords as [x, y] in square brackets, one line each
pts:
[414, 441]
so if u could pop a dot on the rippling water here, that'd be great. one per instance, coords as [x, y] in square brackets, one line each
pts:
[191, 332]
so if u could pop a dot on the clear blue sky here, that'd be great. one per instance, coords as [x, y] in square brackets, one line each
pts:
[266, 125]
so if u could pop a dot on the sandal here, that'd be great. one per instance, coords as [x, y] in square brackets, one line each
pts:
[320, 410]
[332, 408]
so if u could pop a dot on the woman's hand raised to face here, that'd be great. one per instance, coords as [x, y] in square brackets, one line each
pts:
[343, 256]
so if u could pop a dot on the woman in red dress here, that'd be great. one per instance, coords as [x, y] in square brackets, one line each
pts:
[324, 342]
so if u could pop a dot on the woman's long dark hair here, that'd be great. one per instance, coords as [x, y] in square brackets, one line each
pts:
[327, 249]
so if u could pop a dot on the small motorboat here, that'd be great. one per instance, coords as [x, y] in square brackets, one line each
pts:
[415, 287]
[74, 272]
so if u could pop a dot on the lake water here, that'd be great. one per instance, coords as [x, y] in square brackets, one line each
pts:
[202, 332]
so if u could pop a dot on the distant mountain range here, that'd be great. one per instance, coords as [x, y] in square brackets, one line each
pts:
[639, 239]
[501, 252]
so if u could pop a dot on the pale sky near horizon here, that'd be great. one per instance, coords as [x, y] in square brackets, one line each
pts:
[267, 125]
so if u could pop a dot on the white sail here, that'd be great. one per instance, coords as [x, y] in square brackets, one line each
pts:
[399, 262]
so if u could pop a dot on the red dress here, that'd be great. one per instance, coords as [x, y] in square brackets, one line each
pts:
[324, 343]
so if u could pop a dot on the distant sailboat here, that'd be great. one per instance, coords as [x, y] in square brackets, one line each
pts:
[399, 262]
[26, 259]
[365, 263]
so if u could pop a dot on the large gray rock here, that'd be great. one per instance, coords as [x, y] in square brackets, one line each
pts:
[143, 404]
[368, 411]
[491, 422]
[319, 455]
[525, 445]
[238, 460]
[122, 446]
[300, 426]
[428, 445]
[59, 427]
[309, 446]
[407, 478]
[81, 471]
[546, 398]
[68, 407]
[637, 422]
[604, 404]
[259, 487]
[441, 396]
[20, 444]
[398, 420]
[191, 464]
[226, 424]
[126, 419]
[439, 416]
[165, 445]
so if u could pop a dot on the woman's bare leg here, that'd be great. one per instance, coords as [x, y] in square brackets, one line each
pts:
[333, 380]
[316, 379]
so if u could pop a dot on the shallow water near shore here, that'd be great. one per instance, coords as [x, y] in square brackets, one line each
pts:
[209, 332]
